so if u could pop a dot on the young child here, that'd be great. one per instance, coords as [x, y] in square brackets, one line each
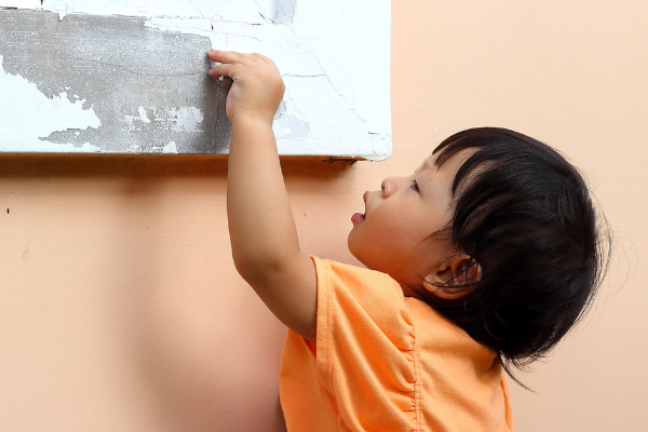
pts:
[484, 256]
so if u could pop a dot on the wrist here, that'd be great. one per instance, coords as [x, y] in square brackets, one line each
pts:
[252, 132]
[251, 119]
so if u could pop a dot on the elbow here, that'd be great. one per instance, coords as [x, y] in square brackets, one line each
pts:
[255, 270]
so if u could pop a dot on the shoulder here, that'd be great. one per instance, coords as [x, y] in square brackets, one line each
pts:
[357, 280]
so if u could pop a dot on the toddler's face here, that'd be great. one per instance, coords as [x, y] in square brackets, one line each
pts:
[392, 236]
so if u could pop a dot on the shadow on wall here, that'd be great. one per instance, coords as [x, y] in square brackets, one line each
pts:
[182, 340]
[18, 165]
[193, 359]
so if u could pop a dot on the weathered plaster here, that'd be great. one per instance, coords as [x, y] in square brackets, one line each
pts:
[119, 67]
[141, 67]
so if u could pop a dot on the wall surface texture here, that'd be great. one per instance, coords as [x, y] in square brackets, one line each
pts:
[130, 76]
[120, 309]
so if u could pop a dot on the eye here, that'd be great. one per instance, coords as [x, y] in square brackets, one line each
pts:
[414, 185]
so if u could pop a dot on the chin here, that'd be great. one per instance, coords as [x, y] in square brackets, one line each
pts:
[355, 251]
[351, 247]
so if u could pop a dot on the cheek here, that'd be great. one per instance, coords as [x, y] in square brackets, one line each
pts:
[377, 246]
[388, 231]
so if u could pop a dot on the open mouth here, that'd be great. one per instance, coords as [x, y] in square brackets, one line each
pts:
[360, 217]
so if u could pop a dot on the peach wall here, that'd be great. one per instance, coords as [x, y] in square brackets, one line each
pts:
[120, 307]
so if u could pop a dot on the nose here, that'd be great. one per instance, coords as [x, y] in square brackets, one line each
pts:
[388, 186]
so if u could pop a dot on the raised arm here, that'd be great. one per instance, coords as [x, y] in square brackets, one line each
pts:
[265, 246]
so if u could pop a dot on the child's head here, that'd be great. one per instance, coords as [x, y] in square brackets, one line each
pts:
[501, 235]
[394, 234]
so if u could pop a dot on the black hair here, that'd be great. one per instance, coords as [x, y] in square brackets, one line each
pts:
[525, 217]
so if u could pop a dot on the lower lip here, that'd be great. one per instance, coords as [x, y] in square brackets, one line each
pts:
[357, 218]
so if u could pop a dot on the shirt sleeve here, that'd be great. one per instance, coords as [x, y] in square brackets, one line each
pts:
[366, 348]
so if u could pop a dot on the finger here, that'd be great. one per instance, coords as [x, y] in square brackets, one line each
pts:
[265, 59]
[223, 56]
[230, 57]
[229, 70]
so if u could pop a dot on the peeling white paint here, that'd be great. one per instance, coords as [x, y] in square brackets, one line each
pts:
[186, 119]
[32, 116]
[280, 131]
[337, 76]
[143, 116]
[171, 148]
[178, 119]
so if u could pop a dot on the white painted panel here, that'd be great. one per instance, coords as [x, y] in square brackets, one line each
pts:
[21, 4]
[334, 57]
[224, 10]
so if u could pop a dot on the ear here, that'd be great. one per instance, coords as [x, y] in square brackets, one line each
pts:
[449, 280]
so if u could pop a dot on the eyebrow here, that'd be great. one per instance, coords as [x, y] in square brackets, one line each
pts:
[423, 185]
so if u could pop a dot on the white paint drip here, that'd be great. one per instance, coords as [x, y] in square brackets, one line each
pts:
[171, 148]
[32, 115]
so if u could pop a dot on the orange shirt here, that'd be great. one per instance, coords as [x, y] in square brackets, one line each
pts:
[384, 362]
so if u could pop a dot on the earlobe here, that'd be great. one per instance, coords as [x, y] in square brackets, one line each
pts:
[455, 277]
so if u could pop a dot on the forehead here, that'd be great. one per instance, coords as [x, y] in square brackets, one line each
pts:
[449, 168]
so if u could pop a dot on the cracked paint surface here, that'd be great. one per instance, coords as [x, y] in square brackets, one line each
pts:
[140, 65]
[118, 65]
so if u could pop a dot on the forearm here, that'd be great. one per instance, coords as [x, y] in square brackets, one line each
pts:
[261, 225]
[264, 240]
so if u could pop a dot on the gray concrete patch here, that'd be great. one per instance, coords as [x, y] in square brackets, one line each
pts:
[148, 87]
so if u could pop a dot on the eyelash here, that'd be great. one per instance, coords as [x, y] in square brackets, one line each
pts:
[414, 185]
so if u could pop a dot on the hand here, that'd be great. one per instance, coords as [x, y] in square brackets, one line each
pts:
[258, 88]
